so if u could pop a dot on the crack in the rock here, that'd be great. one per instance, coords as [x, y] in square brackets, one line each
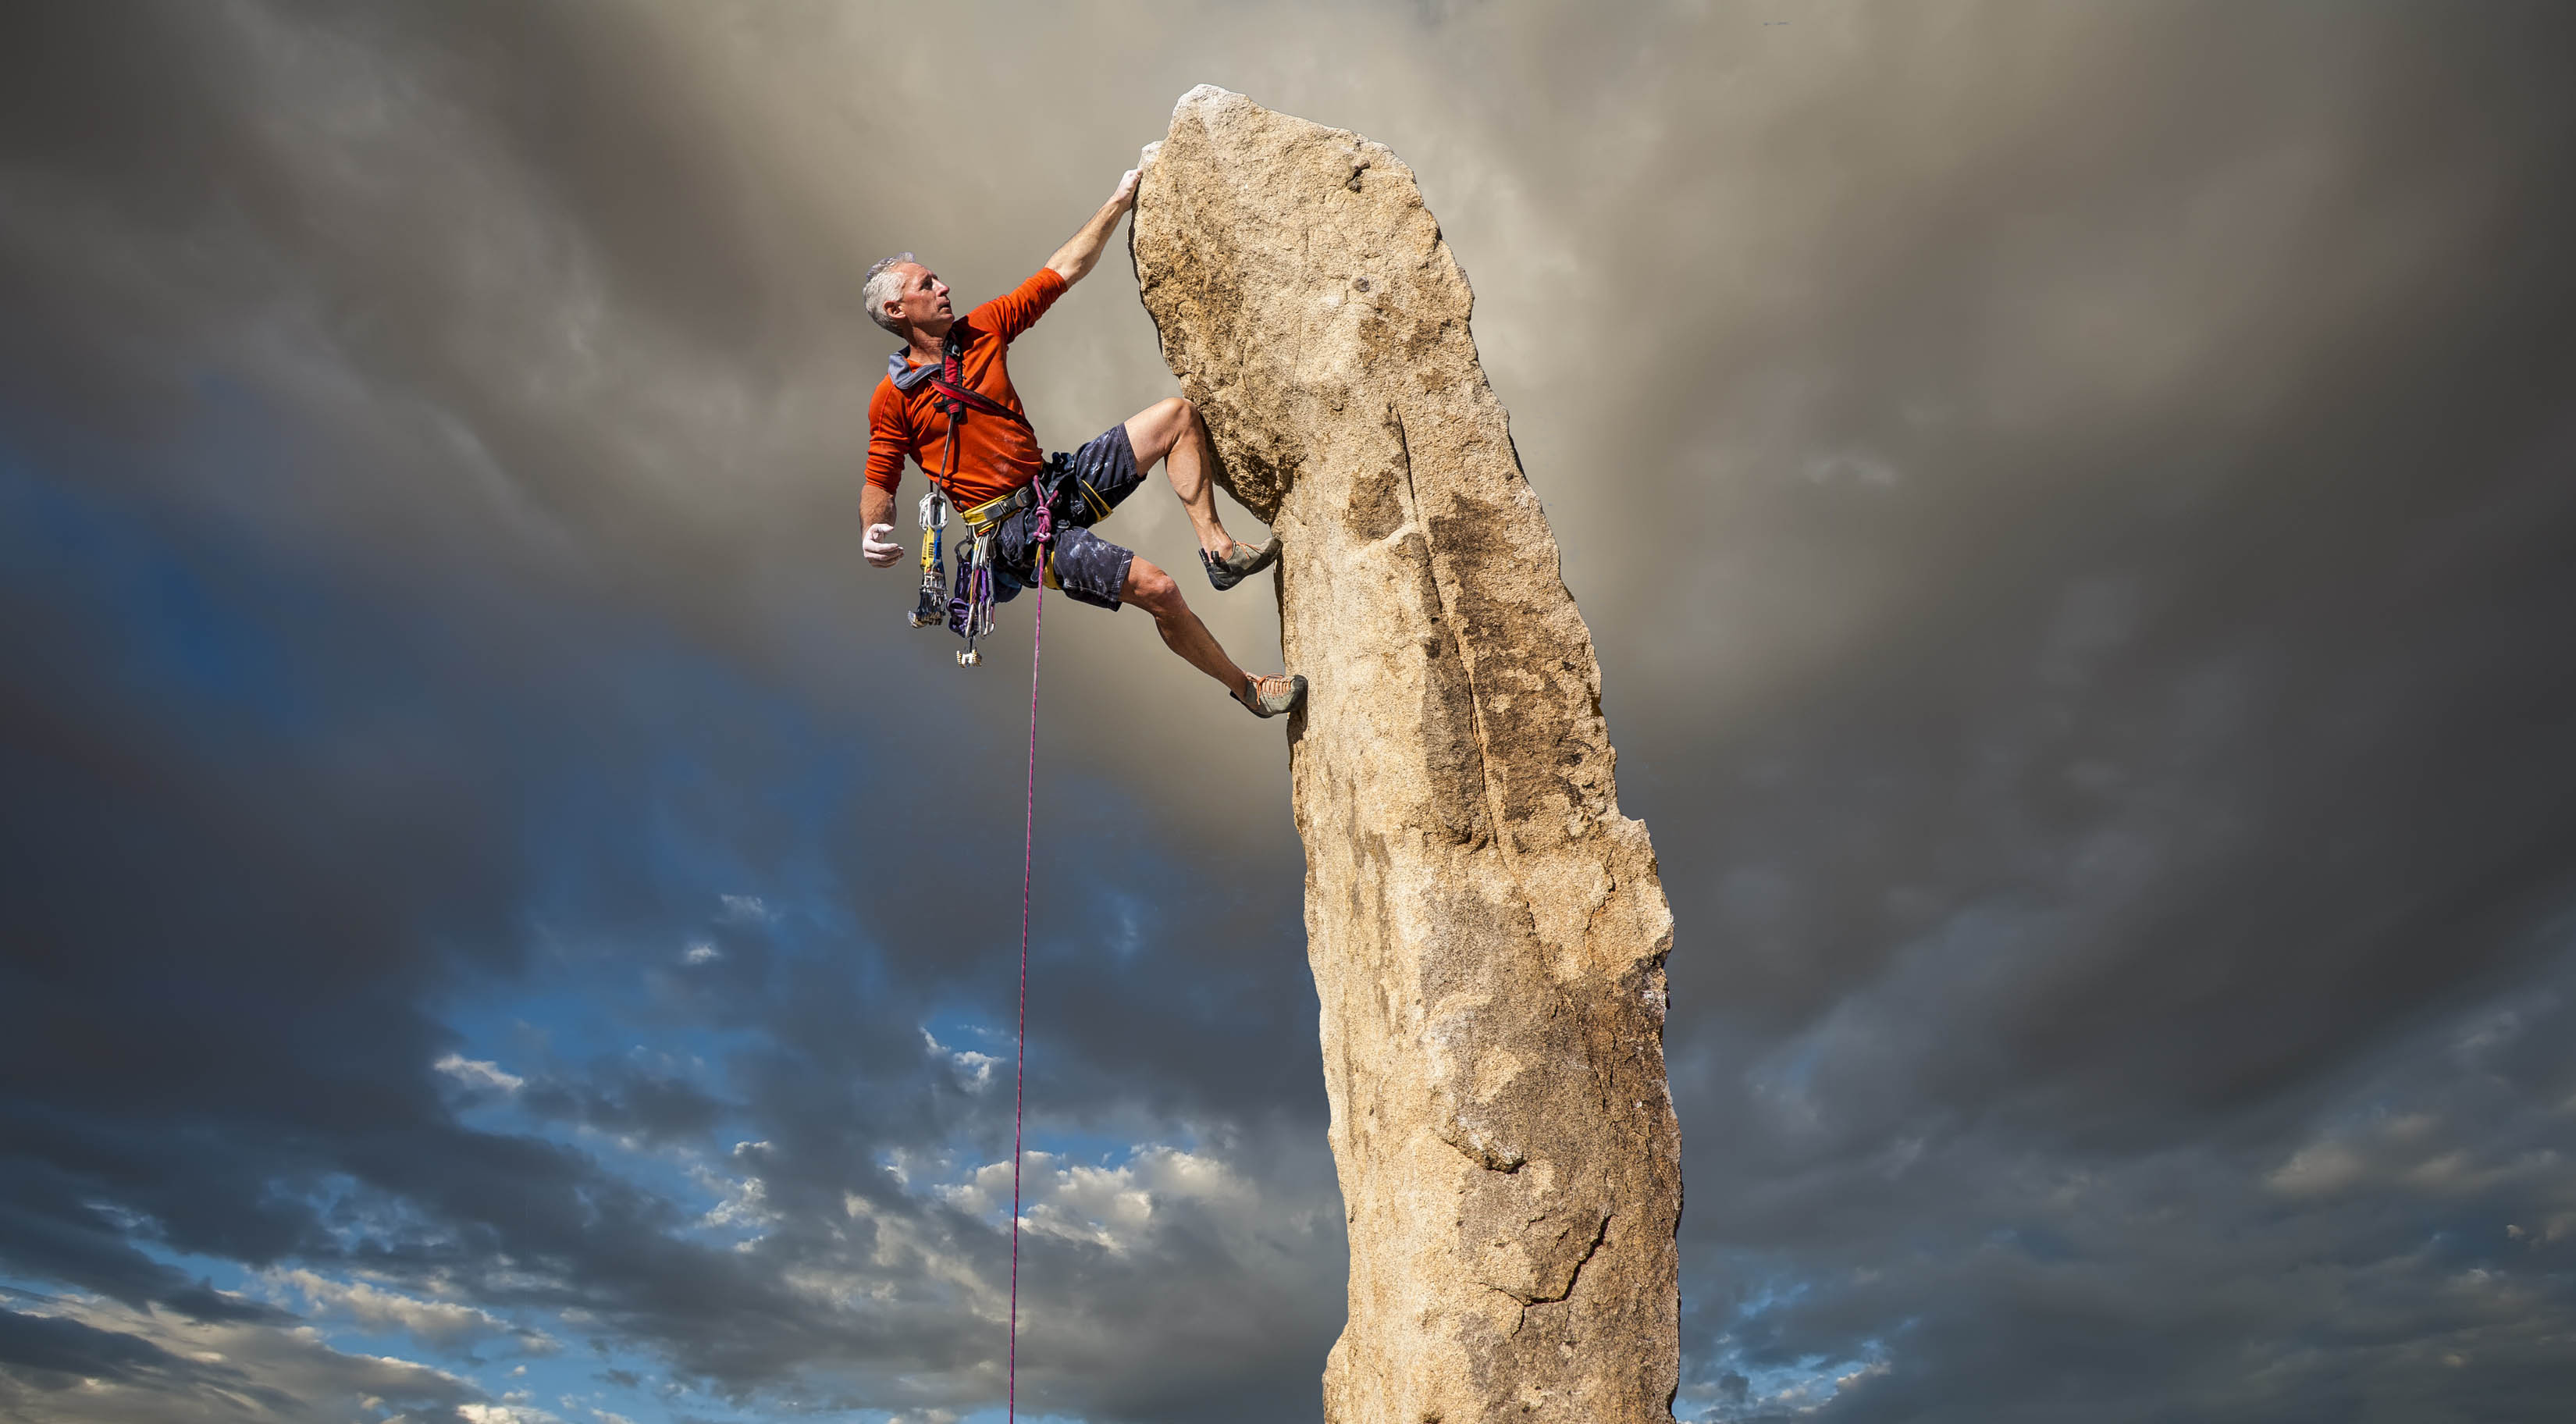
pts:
[1476, 1149]
[1457, 638]
[1599, 1235]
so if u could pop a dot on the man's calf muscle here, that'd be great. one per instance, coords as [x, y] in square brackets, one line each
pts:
[1153, 431]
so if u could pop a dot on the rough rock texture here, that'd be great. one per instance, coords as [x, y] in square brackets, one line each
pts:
[1487, 931]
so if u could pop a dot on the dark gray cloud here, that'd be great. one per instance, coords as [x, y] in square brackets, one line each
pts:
[488, 877]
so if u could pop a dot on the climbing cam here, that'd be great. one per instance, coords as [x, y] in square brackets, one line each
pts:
[933, 607]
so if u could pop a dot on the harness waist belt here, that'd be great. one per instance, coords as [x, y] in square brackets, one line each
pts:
[993, 511]
[1086, 503]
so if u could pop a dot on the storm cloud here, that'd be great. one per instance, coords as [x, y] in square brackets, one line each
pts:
[503, 922]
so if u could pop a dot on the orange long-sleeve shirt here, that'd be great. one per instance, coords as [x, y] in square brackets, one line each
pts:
[994, 456]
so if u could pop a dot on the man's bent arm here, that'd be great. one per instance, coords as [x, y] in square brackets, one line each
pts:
[876, 508]
[1078, 256]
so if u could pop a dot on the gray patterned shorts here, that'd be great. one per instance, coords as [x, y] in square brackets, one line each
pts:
[1082, 486]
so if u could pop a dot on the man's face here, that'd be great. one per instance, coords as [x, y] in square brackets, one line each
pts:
[925, 300]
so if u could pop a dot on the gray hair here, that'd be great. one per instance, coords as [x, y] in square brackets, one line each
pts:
[884, 285]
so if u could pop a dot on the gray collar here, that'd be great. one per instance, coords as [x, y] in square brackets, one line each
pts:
[906, 376]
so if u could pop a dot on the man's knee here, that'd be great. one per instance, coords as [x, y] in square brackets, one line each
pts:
[1152, 589]
[1163, 427]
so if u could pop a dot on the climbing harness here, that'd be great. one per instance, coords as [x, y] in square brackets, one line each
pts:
[1000, 507]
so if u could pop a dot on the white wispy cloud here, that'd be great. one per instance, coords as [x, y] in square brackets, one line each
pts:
[479, 1073]
[506, 1414]
[445, 1324]
[974, 1070]
[1111, 1207]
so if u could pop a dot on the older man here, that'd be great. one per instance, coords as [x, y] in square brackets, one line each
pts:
[947, 404]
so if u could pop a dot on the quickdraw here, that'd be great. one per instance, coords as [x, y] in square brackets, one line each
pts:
[970, 611]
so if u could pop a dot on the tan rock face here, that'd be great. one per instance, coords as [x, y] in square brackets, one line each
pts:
[1487, 931]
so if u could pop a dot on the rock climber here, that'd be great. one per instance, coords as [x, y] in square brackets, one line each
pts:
[947, 403]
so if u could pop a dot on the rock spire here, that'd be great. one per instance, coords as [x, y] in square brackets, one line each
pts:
[1487, 931]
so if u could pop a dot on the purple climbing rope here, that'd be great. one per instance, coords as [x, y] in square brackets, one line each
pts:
[1028, 857]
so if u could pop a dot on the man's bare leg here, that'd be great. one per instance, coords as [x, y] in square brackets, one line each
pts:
[1172, 428]
[1151, 589]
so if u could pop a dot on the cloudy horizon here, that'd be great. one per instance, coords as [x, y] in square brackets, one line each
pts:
[2075, 510]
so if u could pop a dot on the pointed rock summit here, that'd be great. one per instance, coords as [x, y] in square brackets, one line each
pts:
[1487, 931]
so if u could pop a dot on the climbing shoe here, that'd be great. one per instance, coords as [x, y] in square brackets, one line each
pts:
[1270, 696]
[1240, 562]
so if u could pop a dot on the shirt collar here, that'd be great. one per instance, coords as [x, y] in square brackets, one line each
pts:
[905, 375]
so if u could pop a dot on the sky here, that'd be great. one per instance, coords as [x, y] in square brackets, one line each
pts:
[500, 921]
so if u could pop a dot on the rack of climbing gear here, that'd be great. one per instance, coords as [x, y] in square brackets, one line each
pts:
[968, 609]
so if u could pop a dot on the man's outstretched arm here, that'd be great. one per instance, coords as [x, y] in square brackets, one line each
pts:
[1080, 254]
